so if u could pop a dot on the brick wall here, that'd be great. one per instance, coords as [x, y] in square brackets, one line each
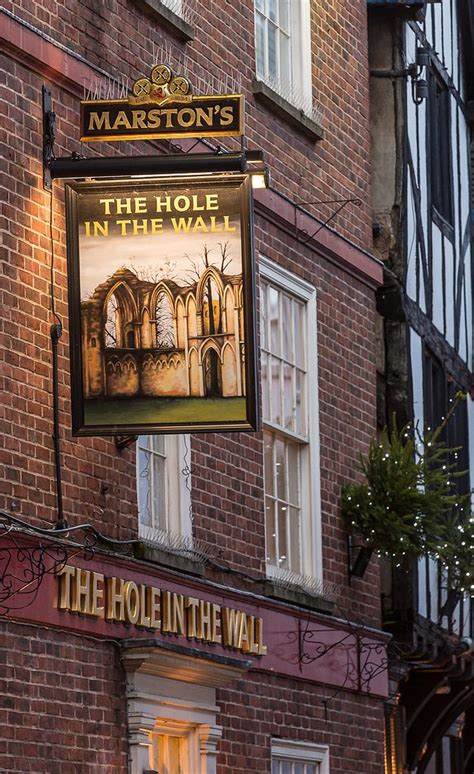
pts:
[63, 712]
[62, 709]
[62, 672]
[264, 707]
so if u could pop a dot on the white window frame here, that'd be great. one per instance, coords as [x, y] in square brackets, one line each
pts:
[310, 485]
[156, 705]
[300, 91]
[177, 495]
[176, 6]
[302, 752]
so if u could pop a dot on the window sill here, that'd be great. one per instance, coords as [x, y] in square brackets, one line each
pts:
[283, 109]
[276, 590]
[171, 21]
[159, 555]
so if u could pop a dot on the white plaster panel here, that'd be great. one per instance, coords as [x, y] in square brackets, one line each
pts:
[437, 263]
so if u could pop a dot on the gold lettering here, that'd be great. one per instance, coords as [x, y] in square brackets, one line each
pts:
[81, 592]
[123, 226]
[199, 224]
[243, 643]
[64, 576]
[191, 605]
[212, 201]
[182, 224]
[259, 648]
[227, 226]
[215, 610]
[99, 122]
[160, 203]
[204, 114]
[188, 121]
[99, 228]
[140, 227]
[154, 119]
[115, 611]
[155, 607]
[144, 619]
[204, 621]
[123, 206]
[140, 204]
[181, 203]
[106, 203]
[230, 627]
[227, 115]
[166, 611]
[138, 119]
[97, 595]
[168, 114]
[177, 605]
[122, 121]
[132, 602]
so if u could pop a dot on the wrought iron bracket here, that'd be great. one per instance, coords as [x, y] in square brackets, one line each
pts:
[49, 136]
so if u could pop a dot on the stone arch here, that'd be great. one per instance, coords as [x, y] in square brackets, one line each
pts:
[181, 323]
[191, 311]
[211, 365]
[229, 307]
[146, 329]
[230, 380]
[210, 301]
[163, 313]
[195, 381]
[119, 315]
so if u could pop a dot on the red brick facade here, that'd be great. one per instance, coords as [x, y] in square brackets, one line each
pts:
[64, 708]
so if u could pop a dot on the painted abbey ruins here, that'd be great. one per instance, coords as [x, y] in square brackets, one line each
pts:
[159, 339]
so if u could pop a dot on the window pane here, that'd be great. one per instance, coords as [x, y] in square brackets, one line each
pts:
[273, 69]
[300, 404]
[285, 15]
[275, 413]
[144, 487]
[286, 79]
[287, 327]
[298, 333]
[268, 443]
[272, 9]
[293, 473]
[274, 319]
[265, 385]
[280, 469]
[288, 398]
[270, 526]
[260, 45]
[295, 538]
[283, 559]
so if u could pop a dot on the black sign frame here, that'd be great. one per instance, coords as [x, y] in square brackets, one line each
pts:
[220, 182]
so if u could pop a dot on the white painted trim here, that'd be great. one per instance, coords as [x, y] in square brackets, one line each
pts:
[300, 92]
[177, 495]
[302, 751]
[304, 291]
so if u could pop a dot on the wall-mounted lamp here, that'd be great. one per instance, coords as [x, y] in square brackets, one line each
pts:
[419, 86]
[258, 170]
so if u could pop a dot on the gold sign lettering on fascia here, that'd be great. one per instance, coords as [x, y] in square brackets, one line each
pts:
[118, 601]
[213, 116]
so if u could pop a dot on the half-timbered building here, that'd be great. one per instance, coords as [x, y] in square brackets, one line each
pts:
[421, 57]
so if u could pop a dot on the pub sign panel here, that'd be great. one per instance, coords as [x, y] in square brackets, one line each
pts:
[161, 302]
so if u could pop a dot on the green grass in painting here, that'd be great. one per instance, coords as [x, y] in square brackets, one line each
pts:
[163, 411]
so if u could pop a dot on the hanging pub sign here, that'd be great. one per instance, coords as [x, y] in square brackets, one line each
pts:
[162, 107]
[161, 298]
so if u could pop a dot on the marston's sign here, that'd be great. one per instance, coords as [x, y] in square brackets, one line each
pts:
[162, 107]
[123, 601]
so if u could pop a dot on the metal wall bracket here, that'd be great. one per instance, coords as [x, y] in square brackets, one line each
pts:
[49, 136]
